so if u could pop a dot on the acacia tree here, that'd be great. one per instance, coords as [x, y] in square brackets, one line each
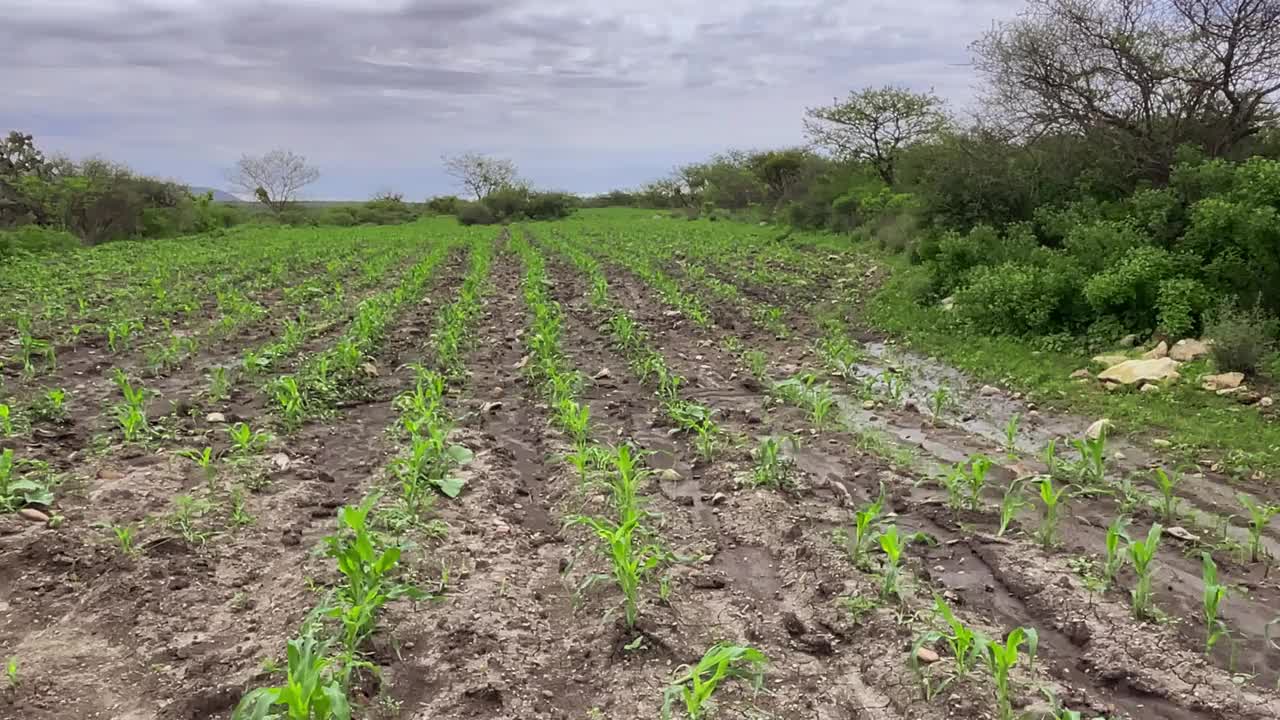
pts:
[1143, 75]
[875, 125]
[480, 174]
[275, 178]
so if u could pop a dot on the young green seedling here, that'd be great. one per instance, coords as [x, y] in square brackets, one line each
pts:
[17, 492]
[1117, 544]
[1167, 484]
[865, 527]
[892, 544]
[245, 441]
[772, 468]
[125, 539]
[631, 561]
[1001, 658]
[1259, 517]
[1011, 503]
[6, 420]
[205, 461]
[1011, 434]
[965, 644]
[696, 685]
[312, 689]
[1142, 553]
[938, 402]
[1214, 595]
[1051, 501]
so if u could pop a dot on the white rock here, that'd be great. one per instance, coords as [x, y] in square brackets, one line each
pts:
[1131, 372]
[1223, 381]
[1266, 402]
[988, 391]
[215, 417]
[1159, 351]
[1149, 388]
[280, 461]
[1188, 349]
[1107, 361]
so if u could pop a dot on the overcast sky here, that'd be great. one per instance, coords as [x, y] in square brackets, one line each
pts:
[585, 96]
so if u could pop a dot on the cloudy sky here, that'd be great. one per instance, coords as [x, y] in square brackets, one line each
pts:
[585, 95]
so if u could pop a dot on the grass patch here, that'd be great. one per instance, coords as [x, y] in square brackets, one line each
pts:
[1195, 422]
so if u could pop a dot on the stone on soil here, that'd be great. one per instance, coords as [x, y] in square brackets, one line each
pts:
[927, 656]
[33, 515]
[1107, 361]
[1081, 374]
[989, 391]
[1223, 381]
[215, 417]
[1131, 372]
[1159, 351]
[1188, 349]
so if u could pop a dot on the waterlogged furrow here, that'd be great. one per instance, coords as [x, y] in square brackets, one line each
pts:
[810, 397]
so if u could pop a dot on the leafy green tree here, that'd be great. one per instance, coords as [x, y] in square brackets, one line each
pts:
[876, 124]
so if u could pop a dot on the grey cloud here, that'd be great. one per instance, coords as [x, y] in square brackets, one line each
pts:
[368, 88]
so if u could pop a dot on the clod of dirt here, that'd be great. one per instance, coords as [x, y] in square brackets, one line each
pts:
[33, 515]
[280, 461]
[793, 624]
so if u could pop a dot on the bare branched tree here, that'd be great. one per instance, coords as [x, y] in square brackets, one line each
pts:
[275, 178]
[875, 125]
[480, 174]
[1148, 75]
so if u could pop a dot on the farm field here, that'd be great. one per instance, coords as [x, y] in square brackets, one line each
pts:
[615, 466]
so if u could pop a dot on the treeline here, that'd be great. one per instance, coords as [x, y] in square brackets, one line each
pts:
[53, 204]
[1122, 175]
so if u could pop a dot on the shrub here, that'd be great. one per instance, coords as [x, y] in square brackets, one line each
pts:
[444, 205]
[339, 216]
[33, 240]
[1100, 244]
[1015, 299]
[1241, 337]
[549, 205]
[1129, 289]
[1179, 303]
[476, 214]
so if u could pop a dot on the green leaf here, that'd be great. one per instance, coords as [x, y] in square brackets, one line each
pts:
[451, 486]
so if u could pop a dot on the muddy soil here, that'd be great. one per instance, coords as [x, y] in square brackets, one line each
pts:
[180, 628]
[1249, 615]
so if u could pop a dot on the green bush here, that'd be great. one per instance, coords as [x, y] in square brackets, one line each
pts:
[1129, 289]
[444, 205]
[34, 240]
[1242, 337]
[1100, 244]
[1014, 299]
[549, 205]
[1180, 303]
[476, 214]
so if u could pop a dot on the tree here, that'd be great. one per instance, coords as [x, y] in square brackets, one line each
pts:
[275, 178]
[20, 156]
[481, 175]
[1143, 75]
[875, 125]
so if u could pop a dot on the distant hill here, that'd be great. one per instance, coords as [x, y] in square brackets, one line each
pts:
[219, 195]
